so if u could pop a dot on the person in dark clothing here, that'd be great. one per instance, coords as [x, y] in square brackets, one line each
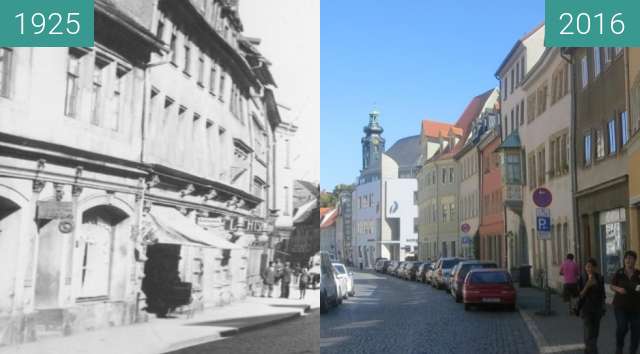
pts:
[591, 305]
[304, 281]
[285, 278]
[626, 302]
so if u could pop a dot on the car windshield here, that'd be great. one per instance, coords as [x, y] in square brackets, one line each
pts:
[489, 278]
[449, 263]
[467, 267]
[340, 268]
[416, 265]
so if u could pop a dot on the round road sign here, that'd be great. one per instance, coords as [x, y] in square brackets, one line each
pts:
[542, 197]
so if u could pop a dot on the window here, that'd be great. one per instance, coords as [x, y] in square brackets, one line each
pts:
[506, 86]
[452, 211]
[444, 175]
[522, 67]
[201, 70]
[607, 55]
[513, 125]
[599, 144]
[451, 175]
[617, 50]
[212, 78]
[187, 57]
[531, 107]
[517, 115]
[522, 112]
[6, 58]
[174, 47]
[564, 159]
[445, 213]
[96, 92]
[512, 80]
[585, 71]
[160, 28]
[541, 166]
[221, 89]
[517, 74]
[116, 99]
[596, 62]
[624, 127]
[613, 148]
[73, 86]
[587, 149]
[513, 169]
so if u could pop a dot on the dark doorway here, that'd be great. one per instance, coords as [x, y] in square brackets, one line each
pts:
[161, 283]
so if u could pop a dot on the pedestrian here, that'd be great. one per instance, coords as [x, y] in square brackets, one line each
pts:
[268, 279]
[304, 281]
[285, 277]
[626, 302]
[570, 273]
[591, 306]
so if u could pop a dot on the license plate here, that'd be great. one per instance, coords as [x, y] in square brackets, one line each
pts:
[491, 300]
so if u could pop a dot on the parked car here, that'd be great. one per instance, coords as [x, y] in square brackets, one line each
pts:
[421, 274]
[392, 265]
[329, 296]
[345, 278]
[485, 286]
[401, 268]
[459, 273]
[442, 272]
[380, 265]
[402, 273]
[412, 270]
[428, 276]
[385, 265]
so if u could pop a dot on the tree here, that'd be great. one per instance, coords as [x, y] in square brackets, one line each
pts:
[327, 199]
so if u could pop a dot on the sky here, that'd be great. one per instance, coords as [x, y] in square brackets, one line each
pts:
[290, 34]
[412, 59]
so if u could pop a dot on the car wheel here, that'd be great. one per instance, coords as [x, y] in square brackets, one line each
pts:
[338, 301]
[324, 304]
[467, 307]
[458, 299]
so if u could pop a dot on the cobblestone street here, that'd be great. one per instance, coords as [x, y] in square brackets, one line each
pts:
[392, 315]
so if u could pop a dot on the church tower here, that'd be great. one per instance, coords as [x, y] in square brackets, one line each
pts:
[372, 145]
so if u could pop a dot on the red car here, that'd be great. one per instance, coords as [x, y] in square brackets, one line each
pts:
[489, 287]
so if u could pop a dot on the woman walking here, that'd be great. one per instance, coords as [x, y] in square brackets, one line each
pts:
[591, 306]
[626, 302]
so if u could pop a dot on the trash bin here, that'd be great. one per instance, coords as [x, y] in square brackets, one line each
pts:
[525, 276]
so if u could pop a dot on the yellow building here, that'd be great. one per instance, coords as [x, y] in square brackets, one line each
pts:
[633, 84]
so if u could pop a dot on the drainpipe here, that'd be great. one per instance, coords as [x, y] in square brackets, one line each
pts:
[574, 164]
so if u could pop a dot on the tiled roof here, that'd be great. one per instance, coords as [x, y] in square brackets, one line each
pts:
[329, 219]
[323, 212]
[435, 129]
[472, 111]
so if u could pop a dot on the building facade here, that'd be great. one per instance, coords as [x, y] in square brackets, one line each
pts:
[633, 83]
[601, 128]
[545, 141]
[150, 150]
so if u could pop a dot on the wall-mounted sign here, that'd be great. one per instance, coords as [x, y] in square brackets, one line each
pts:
[65, 226]
[210, 222]
[51, 209]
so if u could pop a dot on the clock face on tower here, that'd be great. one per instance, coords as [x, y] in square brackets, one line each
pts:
[375, 141]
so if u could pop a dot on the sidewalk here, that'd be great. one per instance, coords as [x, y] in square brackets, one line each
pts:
[164, 335]
[561, 333]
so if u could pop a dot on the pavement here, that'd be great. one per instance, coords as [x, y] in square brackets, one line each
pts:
[561, 332]
[299, 335]
[390, 315]
[179, 332]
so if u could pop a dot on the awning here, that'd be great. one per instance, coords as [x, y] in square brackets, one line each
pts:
[167, 225]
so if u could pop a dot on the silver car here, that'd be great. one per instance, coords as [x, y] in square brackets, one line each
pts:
[328, 287]
[345, 279]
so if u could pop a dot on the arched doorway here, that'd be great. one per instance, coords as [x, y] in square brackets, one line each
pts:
[96, 241]
[10, 219]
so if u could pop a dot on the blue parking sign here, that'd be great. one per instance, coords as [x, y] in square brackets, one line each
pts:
[543, 223]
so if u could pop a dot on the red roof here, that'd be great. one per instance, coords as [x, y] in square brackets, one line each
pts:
[435, 129]
[330, 219]
[323, 212]
[472, 111]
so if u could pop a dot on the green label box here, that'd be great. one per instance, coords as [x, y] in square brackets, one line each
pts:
[592, 23]
[46, 23]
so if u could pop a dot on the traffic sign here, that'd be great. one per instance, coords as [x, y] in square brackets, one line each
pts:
[542, 197]
[465, 228]
[543, 223]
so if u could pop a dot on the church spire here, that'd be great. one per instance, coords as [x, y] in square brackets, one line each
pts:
[372, 142]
